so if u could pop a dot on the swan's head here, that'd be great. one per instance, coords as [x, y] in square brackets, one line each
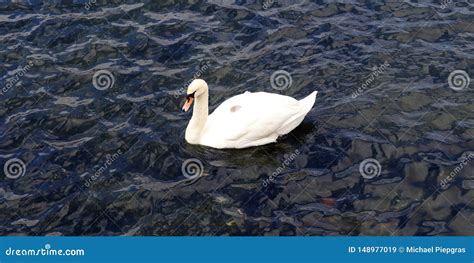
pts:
[197, 88]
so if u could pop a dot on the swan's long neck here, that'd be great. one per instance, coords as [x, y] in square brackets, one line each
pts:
[199, 119]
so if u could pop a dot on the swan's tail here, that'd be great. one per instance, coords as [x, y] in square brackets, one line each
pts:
[308, 102]
[306, 105]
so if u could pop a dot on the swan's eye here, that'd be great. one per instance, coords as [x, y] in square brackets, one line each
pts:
[190, 96]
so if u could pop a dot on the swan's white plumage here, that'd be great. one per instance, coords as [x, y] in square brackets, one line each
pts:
[252, 119]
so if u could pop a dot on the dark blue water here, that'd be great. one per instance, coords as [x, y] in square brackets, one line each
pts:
[106, 160]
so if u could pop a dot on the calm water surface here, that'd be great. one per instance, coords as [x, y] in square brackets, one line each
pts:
[108, 161]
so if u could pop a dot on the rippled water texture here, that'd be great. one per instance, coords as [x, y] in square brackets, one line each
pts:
[106, 160]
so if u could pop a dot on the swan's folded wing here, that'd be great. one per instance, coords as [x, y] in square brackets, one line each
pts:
[251, 116]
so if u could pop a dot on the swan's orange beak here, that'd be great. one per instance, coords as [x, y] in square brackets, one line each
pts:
[189, 102]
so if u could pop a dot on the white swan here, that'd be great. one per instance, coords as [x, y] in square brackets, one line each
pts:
[245, 120]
